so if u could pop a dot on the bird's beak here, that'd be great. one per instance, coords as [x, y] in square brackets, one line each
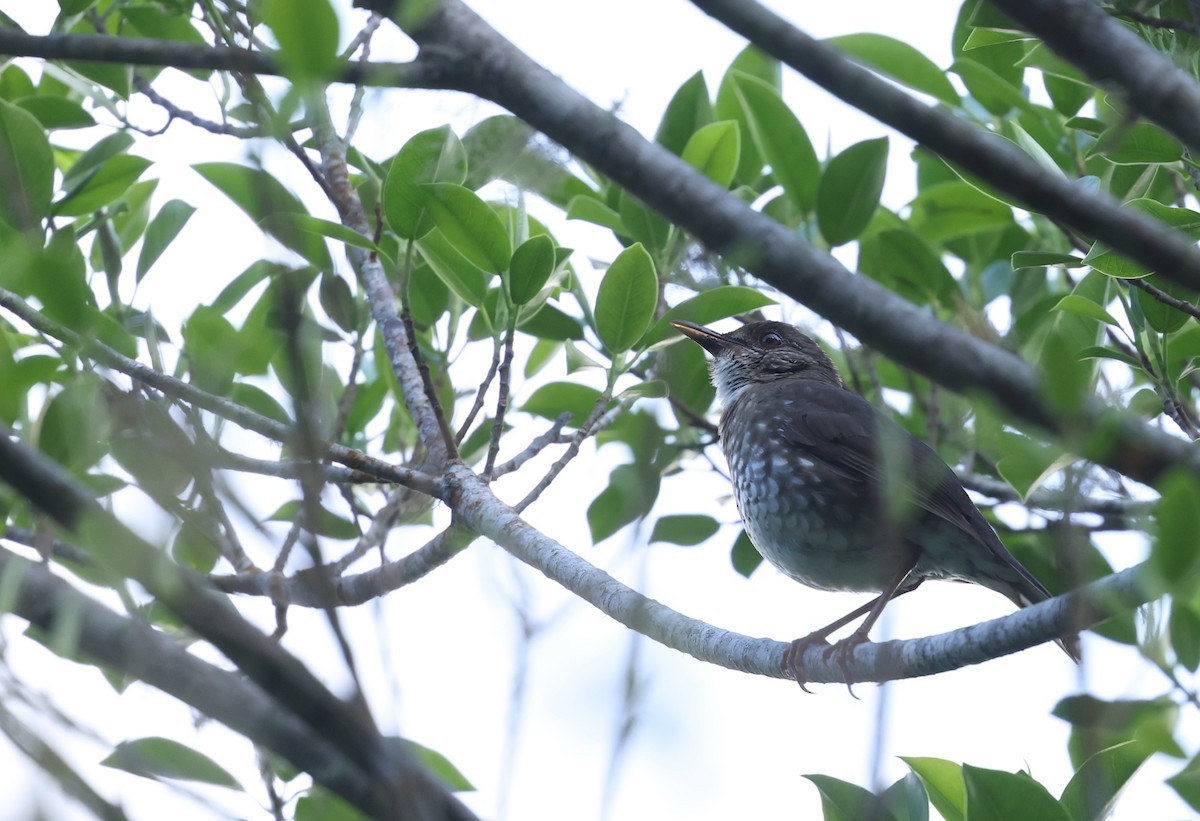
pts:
[710, 340]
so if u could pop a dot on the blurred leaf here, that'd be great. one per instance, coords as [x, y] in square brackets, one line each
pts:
[943, 782]
[994, 795]
[552, 400]
[470, 225]
[1186, 783]
[158, 758]
[1177, 516]
[433, 156]
[329, 524]
[849, 190]
[630, 494]
[730, 105]
[1094, 788]
[649, 389]
[161, 232]
[1164, 318]
[57, 112]
[1099, 724]
[74, 426]
[1043, 259]
[1184, 628]
[898, 61]
[103, 187]
[904, 262]
[907, 799]
[744, 556]
[307, 31]
[843, 801]
[590, 209]
[713, 151]
[450, 775]
[1137, 144]
[626, 301]
[1107, 261]
[684, 529]
[644, 224]
[338, 302]
[260, 195]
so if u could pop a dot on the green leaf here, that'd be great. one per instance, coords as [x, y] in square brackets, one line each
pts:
[1093, 790]
[441, 767]
[843, 801]
[626, 301]
[849, 190]
[684, 529]
[644, 225]
[453, 268]
[713, 151]
[950, 210]
[781, 139]
[293, 223]
[259, 401]
[57, 112]
[649, 389]
[552, 400]
[1082, 306]
[338, 301]
[158, 758]
[1184, 628]
[689, 110]
[1186, 783]
[161, 232]
[435, 155]
[705, 307]
[1164, 318]
[532, 264]
[74, 427]
[905, 263]
[743, 555]
[1177, 516]
[994, 795]
[104, 187]
[470, 225]
[307, 32]
[630, 494]
[730, 104]
[1109, 262]
[260, 195]
[899, 61]
[1138, 144]
[590, 209]
[1044, 259]
[328, 523]
[907, 799]
[943, 782]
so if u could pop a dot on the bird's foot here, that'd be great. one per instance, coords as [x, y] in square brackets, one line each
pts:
[793, 657]
[842, 652]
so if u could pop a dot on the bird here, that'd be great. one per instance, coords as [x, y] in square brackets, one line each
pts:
[834, 493]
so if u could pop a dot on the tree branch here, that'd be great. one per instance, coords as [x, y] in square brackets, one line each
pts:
[134, 649]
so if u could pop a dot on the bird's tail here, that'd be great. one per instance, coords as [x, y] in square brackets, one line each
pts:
[1024, 590]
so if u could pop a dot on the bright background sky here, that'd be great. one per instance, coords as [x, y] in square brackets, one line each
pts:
[439, 658]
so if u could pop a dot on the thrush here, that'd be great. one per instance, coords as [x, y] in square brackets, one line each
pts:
[837, 495]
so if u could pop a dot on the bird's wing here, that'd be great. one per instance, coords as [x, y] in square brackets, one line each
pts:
[856, 440]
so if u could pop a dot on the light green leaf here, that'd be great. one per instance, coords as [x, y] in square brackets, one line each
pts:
[161, 232]
[159, 758]
[1094, 788]
[532, 264]
[849, 190]
[435, 155]
[705, 307]
[27, 168]
[625, 303]
[470, 225]
[781, 139]
[590, 209]
[994, 795]
[943, 782]
[454, 269]
[689, 110]
[684, 529]
[552, 400]
[900, 62]
[1177, 515]
[1107, 261]
[1082, 306]
[307, 31]
[713, 150]
[1044, 259]
[104, 187]
[1138, 144]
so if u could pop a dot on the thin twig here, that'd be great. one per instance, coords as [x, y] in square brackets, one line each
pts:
[501, 404]
[553, 436]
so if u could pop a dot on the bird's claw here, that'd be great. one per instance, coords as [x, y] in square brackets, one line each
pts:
[840, 653]
[793, 657]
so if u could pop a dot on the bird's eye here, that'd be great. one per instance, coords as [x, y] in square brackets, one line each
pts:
[771, 340]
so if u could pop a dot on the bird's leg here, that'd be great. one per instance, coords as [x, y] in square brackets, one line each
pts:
[793, 657]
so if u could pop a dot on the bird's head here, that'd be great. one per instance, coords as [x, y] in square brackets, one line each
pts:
[760, 352]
